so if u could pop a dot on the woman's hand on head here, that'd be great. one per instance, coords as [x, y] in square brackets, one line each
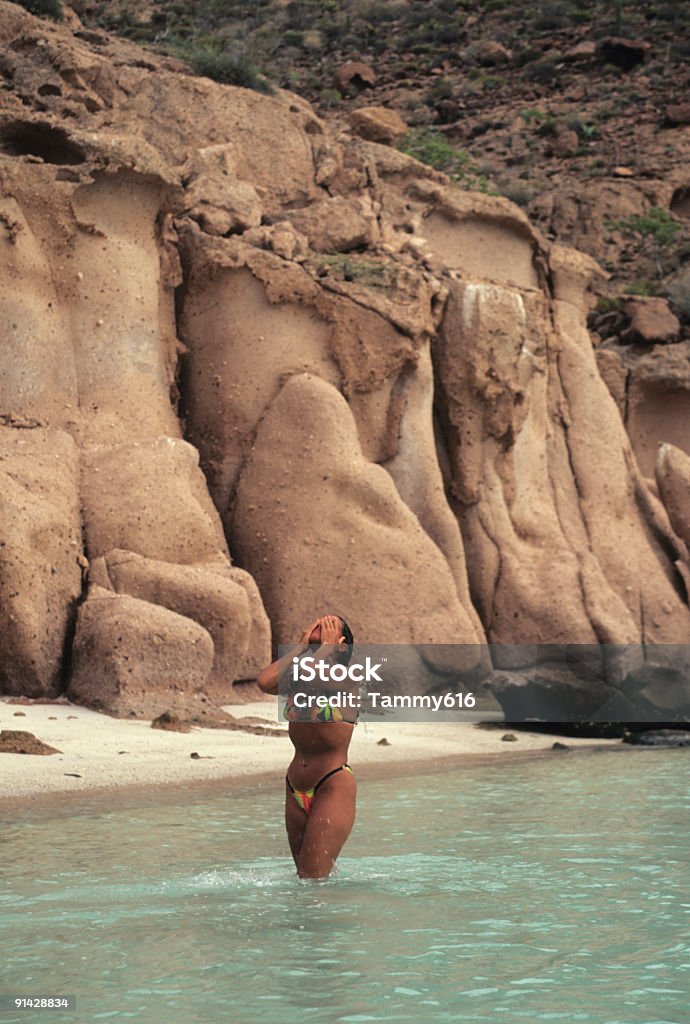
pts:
[331, 630]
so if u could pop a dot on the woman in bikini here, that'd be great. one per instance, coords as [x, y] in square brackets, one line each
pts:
[320, 789]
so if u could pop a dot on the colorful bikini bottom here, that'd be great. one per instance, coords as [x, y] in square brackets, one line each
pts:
[305, 797]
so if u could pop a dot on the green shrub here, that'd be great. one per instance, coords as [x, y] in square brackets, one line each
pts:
[644, 287]
[533, 116]
[140, 34]
[430, 147]
[526, 56]
[519, 194]
[363, 271]
[585, 130]
[547, 128]
[228, 68]
[380, 11]
[489, 82]
[442, 89]
[47, 8]
[657, 224]
[330, 98]
[609, 305]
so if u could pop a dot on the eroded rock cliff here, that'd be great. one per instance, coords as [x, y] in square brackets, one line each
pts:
[252, 371]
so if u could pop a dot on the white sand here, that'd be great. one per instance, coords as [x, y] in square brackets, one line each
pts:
[110, 752]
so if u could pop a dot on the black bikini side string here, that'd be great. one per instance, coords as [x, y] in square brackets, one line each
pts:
[340, 768]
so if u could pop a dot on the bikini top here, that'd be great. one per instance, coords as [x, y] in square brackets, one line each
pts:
[313, 712]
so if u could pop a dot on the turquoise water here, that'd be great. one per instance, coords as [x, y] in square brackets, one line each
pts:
[551, 890]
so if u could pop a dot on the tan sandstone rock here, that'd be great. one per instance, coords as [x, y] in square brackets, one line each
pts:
[539, 487]
[225, 601]
[658, 396]
[337, 224]
[673, 477]
[378, 124]
[416, 432]
[354, 74]
[365, 554]
[651, 321]
[614, 373]
[40, 544]
[215, 196]
[133, 657]
[150, 498]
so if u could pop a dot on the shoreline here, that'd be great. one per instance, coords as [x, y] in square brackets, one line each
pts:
[122, 760]
[59, 802]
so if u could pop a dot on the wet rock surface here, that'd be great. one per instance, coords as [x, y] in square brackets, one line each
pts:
[659, 738]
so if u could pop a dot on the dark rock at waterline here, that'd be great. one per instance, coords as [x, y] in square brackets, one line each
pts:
[548, 691]
[592, 685]
[659, 738]
[595, 730]
[583, 730]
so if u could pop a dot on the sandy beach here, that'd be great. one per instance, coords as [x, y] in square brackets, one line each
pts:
[100, 752]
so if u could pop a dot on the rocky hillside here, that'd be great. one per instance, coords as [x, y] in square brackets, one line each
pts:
[575, 111]
[255, 366]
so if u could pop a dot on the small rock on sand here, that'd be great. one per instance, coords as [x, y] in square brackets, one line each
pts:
[15, 741]
[171, 722]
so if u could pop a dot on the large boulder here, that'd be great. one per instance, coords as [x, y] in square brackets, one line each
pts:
[378, 124]
[338, 224]
[224, 600]
[134, 658]
[651, 321]
[221, 202]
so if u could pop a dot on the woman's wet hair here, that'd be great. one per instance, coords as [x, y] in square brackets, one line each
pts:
[343, 657]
